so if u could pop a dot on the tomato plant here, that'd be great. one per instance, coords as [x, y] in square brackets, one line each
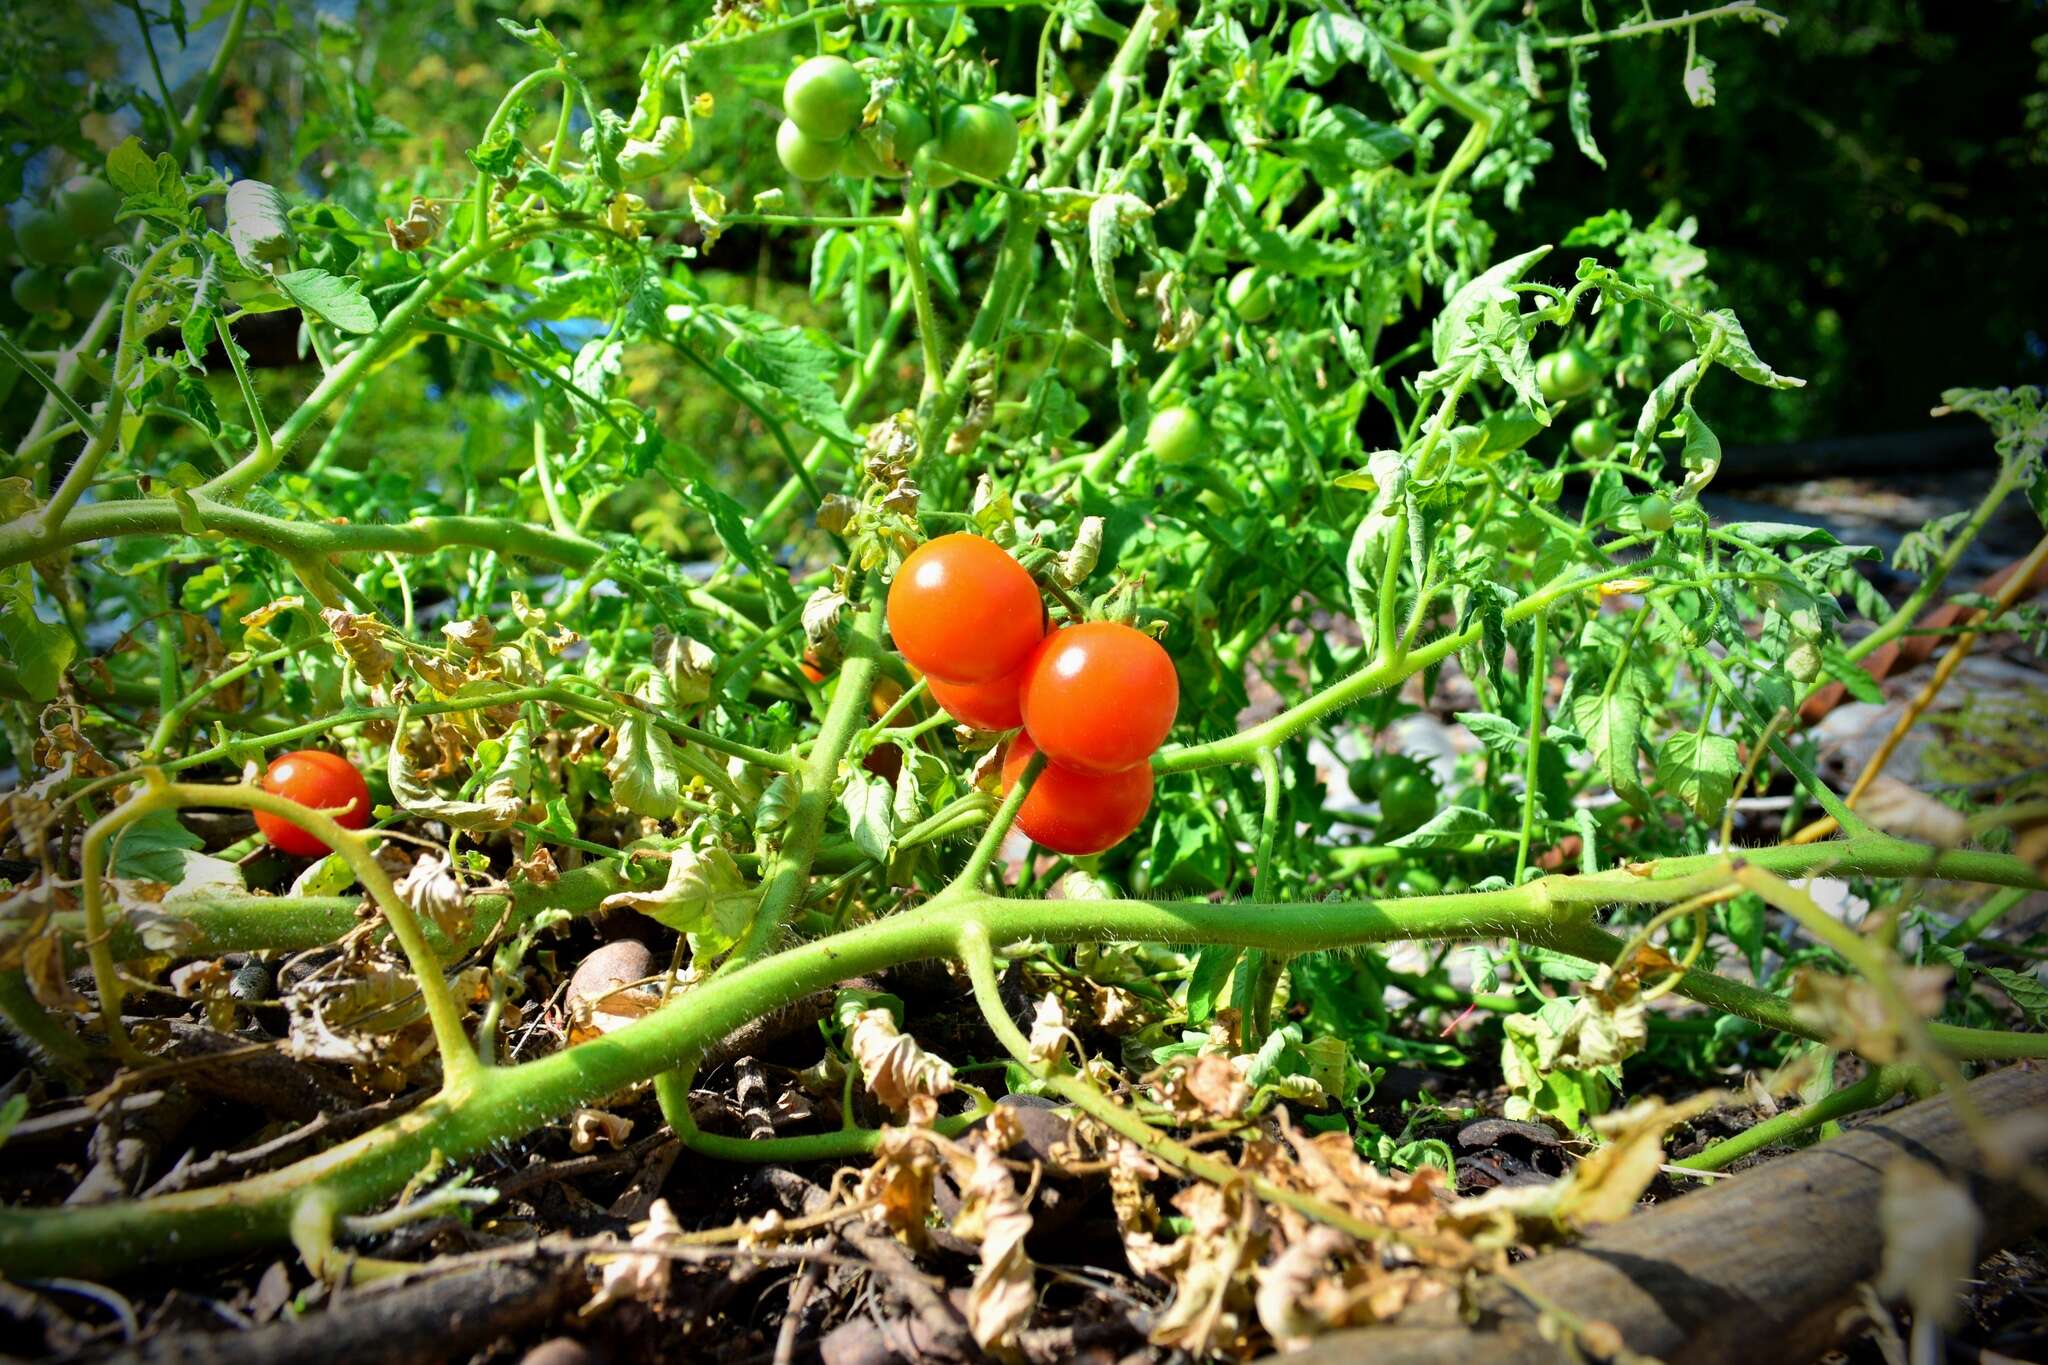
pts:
[642, 506]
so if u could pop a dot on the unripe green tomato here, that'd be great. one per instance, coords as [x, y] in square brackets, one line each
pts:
[86, 287]
[1567, 373]
[36, 289]
[927, 167]
[1593, 439]
[1654, 512]
[1250, 295]
[87, 204]
[1359, 777]
[980, 139]
[824, 98]
[1175, 434]
[859, 159]
[907, 129]
[43, 238]
[802, 156]
[1406, 804]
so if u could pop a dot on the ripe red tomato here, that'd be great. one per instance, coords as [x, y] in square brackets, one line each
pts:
[1099, 697]
[813, 669]
[963, 611]
[1077, 813]
[983, 706]
[326, 782]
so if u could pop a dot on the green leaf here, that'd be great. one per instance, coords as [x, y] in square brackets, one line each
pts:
[1337, 142]
[1578, 108]
[870, 806]
[153, 849]
[1610, 723]
[1451, 827]
[39, 651]
[795, 370]
[1451, 335]
[1213, 966]
[1700, 770]
[335, 301]
[703, 896]
[645, 773]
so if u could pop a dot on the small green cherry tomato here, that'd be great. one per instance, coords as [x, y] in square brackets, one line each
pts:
[926, 166]
[980, 139]
[824, 98]
[87, 204]
[1567, 373]
[1654, 512]
[86, 288]
[36, 289]
[1406, 803]
[860, 159]
[803, 156]
[1175, 434]
[1593, 439]
[1250, 295]
[43, 238]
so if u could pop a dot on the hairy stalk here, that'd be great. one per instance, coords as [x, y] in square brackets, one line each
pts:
[506, 1102]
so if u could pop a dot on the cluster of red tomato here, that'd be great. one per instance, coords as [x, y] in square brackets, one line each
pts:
[1095, 697]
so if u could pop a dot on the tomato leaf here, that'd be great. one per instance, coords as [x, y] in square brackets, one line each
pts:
[1699, 770]
[336, 301]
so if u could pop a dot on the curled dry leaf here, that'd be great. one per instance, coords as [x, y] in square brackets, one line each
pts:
[589, 1127]
[1206, 1087]
[422, 221]
[1293, 1288]
[1603, 1188]
[1852, 1014]
[898, 1187]
[1931, 1229]
[893, 1065]
[431, 889]
[1004, 1294]
[643, 1277]
[1049, 1031]
[1212, 1300]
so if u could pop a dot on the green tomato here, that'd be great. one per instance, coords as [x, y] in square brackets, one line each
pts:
[36, 289]
[892, 145]
[824, 98]
[802, 156]
[1654, 512]
[926, 166]
[86, 288]
[1175, 434]
[43, 238]
[1359, 777]
[1250, 295]
[860, 159]
[1406, 803]
[1567, 373]
[87, 204]
[1593, 439]
[980, 139]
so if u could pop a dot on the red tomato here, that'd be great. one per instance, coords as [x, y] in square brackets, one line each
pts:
[326, 782]
[964, 611]
[983, 706]
[1077, 813]
[1099, 697]
[813, 670]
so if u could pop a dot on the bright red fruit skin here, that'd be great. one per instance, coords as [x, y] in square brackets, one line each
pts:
[963, 611]
[324, 781]
[1100, 697]
[991, 706]
[1077, 813]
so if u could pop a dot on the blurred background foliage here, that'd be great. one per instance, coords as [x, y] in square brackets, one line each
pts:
[1870, 186]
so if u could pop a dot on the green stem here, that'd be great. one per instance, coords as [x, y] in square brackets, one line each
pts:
[1874, 1089]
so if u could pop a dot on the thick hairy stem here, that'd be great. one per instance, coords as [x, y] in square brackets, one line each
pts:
[505, 1103]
